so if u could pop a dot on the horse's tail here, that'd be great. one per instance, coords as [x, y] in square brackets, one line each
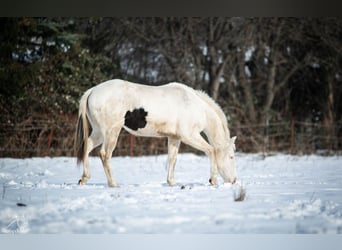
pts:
[82, 128]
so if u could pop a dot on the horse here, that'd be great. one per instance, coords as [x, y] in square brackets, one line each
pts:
[173, 110]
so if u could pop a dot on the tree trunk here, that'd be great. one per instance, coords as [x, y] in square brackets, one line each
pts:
[247, 90]
[329, 119]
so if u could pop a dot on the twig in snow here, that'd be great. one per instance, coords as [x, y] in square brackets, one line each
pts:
[3, 190]
[240, 194]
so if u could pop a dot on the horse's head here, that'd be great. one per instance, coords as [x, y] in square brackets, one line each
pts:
[226, 161]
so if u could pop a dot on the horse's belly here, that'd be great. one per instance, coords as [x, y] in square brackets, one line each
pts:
[142, 132]
[153, 130]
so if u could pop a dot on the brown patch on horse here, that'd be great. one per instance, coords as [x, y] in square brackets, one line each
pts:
[163, 129]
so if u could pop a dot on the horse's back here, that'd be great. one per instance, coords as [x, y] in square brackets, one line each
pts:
[115, 93]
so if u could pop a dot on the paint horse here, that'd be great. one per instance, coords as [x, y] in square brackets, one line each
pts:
[174, 110]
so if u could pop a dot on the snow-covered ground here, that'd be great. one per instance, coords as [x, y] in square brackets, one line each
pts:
[284, 194]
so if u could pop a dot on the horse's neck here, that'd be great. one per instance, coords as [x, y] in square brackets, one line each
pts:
[217, 123]
[215, 130]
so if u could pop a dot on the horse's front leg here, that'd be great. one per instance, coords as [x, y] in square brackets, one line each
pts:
[197, 141]
[213, 169]
[173, 146]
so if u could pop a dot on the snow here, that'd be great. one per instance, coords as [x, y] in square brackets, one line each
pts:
[284, 194]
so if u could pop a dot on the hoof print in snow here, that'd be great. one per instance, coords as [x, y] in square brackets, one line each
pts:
[185, 187]
[19, 204]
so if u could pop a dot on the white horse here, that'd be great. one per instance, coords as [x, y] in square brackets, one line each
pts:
[174, 110]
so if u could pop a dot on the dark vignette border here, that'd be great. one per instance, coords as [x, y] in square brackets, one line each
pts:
[170, 8]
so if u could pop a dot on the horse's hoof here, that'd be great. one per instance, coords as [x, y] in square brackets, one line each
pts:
[171, 183]
[80, 182]
[113, 185]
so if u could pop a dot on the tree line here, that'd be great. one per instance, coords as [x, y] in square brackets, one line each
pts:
[260, 70]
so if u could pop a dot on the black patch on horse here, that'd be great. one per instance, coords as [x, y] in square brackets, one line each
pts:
[135, 119]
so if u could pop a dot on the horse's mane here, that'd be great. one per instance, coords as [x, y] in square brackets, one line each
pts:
[216, 108]
[206, 98]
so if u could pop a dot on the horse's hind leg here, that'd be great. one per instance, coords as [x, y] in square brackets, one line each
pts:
[173, 146]
[93, 141]
[106, 153]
